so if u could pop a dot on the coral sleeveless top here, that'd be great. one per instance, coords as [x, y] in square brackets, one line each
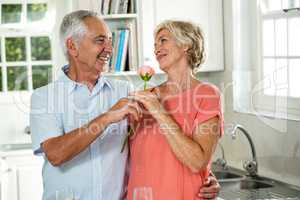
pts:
[154, 168]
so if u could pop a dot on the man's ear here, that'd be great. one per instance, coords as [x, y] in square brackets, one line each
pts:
[71, 47]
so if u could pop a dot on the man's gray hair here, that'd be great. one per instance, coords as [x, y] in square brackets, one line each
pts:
[73, 26]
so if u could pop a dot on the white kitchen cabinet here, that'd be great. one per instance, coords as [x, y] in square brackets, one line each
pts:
[21, 176]
[206, 13]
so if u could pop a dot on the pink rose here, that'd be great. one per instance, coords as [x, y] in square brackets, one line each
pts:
[146, 72]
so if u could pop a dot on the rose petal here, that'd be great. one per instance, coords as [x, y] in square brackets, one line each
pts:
[143, 70]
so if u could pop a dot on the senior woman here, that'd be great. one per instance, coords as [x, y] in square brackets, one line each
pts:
[174, 142]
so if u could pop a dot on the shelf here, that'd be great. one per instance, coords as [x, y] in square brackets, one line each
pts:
[134, 73]
[127, 73]
[120, 16]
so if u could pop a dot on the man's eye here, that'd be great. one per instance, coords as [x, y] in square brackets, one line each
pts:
[99, 40]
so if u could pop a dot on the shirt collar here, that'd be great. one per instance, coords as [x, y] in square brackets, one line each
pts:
[72, 85]
[101, 83]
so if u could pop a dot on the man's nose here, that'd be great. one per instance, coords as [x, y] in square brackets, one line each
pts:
[108, 47]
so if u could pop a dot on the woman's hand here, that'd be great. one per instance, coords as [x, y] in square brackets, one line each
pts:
[150, 101]
[210, 189]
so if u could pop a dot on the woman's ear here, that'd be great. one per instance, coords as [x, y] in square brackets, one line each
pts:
[71, 47]
[185, 48]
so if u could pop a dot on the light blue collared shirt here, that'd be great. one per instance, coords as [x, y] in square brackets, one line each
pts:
[97, 173]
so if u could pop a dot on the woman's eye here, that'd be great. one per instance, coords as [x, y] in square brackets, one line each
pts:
[163, 40]
[160, 41]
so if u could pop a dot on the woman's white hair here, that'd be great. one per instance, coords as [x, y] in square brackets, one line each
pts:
[73, 26]
[186, 33]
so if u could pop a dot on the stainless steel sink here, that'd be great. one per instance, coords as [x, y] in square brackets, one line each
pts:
[235, 184]
[252, 189]
[252, 184]
[222, 175]
[234, 181]
[244, 185]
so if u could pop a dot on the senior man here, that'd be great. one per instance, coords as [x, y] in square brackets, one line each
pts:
[78, 122]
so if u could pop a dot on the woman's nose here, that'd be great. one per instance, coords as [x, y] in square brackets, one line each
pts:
[156, 50]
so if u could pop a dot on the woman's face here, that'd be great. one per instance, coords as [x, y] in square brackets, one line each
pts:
[167, 52]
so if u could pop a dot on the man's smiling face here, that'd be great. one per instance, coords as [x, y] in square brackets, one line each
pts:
[95, 48]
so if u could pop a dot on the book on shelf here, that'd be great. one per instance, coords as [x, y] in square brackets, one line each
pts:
[105, 7]
[123, 6]
[124, 49]
[132, 46]
[114, 6]
[117, 6]
[120, 51]
[116, 35]
[131, 6]
[113, 43]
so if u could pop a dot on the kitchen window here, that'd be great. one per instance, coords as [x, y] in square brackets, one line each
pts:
[279, 49]
[25, 45]
[280, 28]
[267, 57]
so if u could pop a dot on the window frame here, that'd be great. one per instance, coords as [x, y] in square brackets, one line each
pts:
[282, 107]
[27, 31]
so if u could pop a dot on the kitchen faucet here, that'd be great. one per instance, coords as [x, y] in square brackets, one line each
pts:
[221, 161]
[252, 165]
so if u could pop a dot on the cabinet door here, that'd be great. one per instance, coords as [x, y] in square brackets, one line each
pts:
[147, 28]
[29, 182]
[206, 13]
[8, 180]
[22, 178]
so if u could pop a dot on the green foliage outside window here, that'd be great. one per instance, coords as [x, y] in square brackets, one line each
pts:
[36, 12]
[40, 48]
[41, 75]
[15, 49]
[11, 13]
[17, 78]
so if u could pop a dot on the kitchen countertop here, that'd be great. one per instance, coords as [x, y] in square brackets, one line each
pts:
[15, 149]
[278, 191]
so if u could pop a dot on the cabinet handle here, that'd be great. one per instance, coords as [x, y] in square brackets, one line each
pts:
[27, 130]
[7, 170]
